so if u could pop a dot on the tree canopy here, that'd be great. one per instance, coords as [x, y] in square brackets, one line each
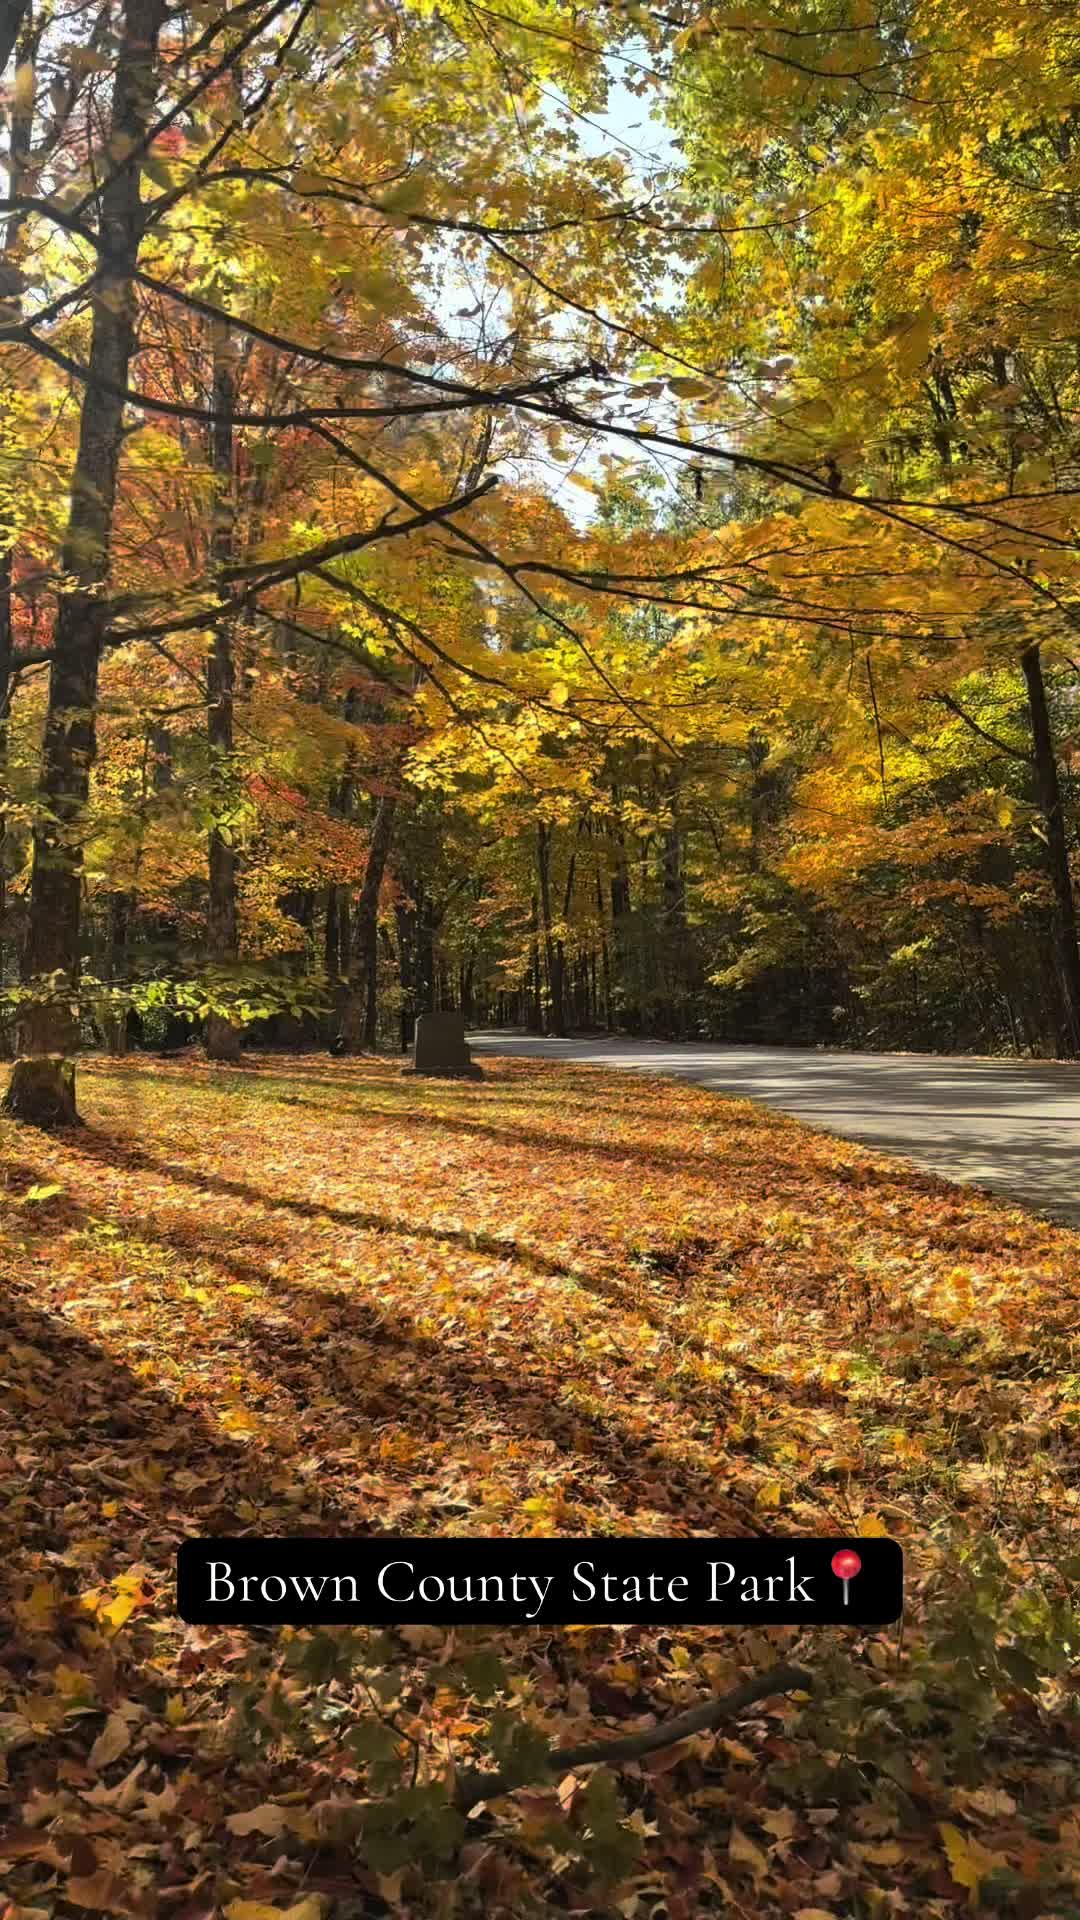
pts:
[464, 546]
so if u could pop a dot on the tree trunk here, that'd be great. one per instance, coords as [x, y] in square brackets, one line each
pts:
[16, 21]
[346, 802]
[425, 953]
[6, 640]
[556, 1022]
[42, 1086]
[1067, 949]
[620, 916]
[332, 932]
[222, 1037]
[405, 974]
[605, 963]
[120, 905]
[677, 946]
[12, 15]
[558, 994]
[360, 1022]
[534, 1019]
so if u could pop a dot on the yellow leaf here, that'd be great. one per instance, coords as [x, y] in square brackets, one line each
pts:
[691, 389]
[174, 1709]
[825, 519]
[815, 412]
[267, 1819]
[780, 1824]
[38, 1613]
[239, 1420]
[559, 694]
[741, 1848]
[36, 1194]
[768, 1494]
[119, 1610]
[312, 1908]
[112, 1741]
[915, 337]
[969, 1863]
[872, 1527]
[1034, 475]
[24, 87]
[72, 1683]
[130, 1591]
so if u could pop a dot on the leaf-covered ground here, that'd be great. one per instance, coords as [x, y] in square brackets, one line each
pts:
[325, 1296]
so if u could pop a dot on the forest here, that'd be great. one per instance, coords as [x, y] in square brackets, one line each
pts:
[455, 556]
[562, 512]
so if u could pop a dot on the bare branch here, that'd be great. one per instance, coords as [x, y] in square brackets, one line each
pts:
[995, 740]
[786, 1678]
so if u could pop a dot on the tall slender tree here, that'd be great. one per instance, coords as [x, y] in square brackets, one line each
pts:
[42, 1085]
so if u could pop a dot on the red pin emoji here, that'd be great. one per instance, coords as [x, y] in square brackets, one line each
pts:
[846, 1564]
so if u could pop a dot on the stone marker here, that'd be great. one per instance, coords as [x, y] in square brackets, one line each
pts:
[440, 1046]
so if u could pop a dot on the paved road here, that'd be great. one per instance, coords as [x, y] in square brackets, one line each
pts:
[1009, 1125]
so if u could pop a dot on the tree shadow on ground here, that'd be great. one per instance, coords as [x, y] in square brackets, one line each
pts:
[126, 1153]
[107, 1473]
[417, 1382]
[514, 1401]
[412, 1381]
[100, 1421]
[430, 1385]
[818, 1153]
[600, 1278]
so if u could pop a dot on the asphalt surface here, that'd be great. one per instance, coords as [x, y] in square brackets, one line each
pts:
[1009, 1125]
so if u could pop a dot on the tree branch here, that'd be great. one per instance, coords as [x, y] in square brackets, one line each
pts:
[786, 1678]
[1015, 753]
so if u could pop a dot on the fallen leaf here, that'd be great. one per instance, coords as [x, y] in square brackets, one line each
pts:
[38, 1612]
[27, 1843]
[742, 1848]
[781, 1824]
[239, 1421]
[872, 1527]
[969, 1863]
[313, 1908]
[114, 1738]
[101, 1892]
[268, 1819]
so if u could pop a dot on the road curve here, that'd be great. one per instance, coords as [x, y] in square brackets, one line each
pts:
[1012, 1126]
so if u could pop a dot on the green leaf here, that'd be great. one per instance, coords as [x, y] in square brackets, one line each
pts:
[485, 1674]
[371, 1742]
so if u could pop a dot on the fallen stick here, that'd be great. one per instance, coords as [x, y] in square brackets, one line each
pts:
[474, 1787]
